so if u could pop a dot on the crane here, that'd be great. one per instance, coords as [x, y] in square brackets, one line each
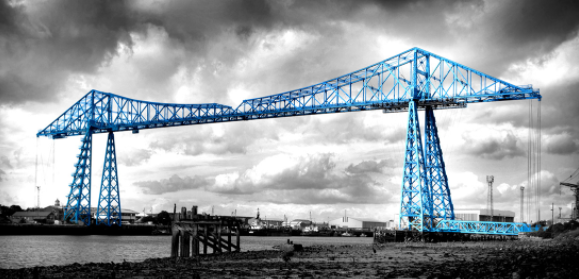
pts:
[410, 81]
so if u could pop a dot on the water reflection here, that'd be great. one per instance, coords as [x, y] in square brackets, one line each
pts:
[45, 250]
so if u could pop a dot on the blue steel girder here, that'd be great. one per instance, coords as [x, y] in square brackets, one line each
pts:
[78, 204]
[106, 112]
[109, 206]
[436, 179]
[389, 85]
[480, 227]
[415, 197]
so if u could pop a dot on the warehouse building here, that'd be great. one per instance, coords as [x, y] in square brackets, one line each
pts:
[126, 214]
[356, 223]
[484, 215]
[44, 217]
[300, 224]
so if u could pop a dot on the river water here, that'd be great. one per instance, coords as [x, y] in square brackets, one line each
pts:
[45, 250]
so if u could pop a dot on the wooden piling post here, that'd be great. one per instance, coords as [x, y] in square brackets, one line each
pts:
[185, 240]
[205, 239]
[229, 237]
[195, 242]
[219, 238]
[238, 248]
[175, 242]
[191, 231]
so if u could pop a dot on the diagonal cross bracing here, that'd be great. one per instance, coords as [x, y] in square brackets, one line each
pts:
[434, 80]
[109, 206]
[415, 204]
[78, 205]
[436, 179]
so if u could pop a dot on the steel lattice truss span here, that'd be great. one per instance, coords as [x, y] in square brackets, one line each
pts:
[410, 81]
[388, 85]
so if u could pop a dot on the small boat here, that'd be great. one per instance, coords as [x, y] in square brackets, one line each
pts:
[363, 235]
[347, 234]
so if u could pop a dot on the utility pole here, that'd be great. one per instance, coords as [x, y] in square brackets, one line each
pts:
[38, 196]
[560, 212]
[490, 180]
[522, 203]
[552, 214]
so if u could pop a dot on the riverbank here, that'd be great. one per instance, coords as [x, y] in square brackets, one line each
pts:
[508, 259]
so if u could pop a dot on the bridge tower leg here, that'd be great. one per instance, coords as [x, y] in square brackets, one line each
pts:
[442, 208]
[110, 196]
[415, 203]
[78, 205]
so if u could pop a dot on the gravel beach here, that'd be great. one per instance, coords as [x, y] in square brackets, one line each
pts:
[508, 259]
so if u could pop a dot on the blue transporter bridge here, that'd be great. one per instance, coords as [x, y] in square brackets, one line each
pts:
[408, 82]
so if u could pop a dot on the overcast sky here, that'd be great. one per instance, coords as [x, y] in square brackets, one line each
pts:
[54, 52]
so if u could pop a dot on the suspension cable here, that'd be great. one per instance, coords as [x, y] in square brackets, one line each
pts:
[539, 156]
[36, 169]
[529, 152]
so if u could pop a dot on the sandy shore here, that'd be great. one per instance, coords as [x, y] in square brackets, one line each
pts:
[512, 259]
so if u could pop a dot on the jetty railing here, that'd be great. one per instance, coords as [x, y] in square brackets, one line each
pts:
[193, 233]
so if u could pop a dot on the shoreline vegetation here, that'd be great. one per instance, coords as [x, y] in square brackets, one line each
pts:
[523, 258]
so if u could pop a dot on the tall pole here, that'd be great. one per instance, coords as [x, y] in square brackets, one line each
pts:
[38, 196]
[552, 214]
[490, 180]
[522, 203]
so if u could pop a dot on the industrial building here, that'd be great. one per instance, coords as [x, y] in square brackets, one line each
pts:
[300, 224]
[484, 215]
[258, 224]
[356, 223]
[126, 214]
[45, 217]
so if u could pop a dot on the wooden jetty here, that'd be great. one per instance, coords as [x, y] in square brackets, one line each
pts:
[193, 232]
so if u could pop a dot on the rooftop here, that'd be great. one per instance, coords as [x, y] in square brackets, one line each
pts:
[31, 214]
[363, 219]
[485, 212]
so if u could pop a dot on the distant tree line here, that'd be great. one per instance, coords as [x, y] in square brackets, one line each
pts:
[9, 211]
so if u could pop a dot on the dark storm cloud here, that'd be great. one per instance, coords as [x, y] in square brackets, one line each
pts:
[43, 43]
[362, 195]
[174, 184]
[508, 32]
[135, 157]
[5, 162]
[348, 128]
[563, 144]
[367, 167]
[531, 29]
[312, 180]
[236, 138]
[496, 149]
[559, 111]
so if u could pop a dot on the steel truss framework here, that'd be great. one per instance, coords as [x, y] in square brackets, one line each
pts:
[479, 227]
[109, 207]
[410, 81]
[436, 179]
[78, 205]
